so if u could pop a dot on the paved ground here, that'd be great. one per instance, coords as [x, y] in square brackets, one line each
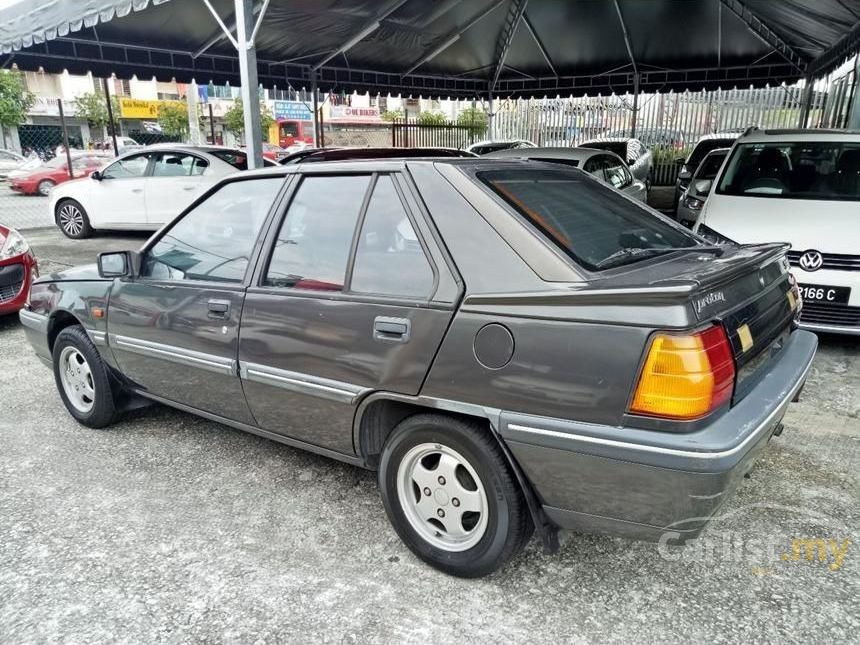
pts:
[23, 211]
[169, 528]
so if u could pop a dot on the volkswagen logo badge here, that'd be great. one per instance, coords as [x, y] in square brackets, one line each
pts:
[811, 261]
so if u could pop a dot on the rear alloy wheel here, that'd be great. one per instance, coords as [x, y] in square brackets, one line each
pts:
[451, 495]
[82, 378]
[45, 187]
[73, 220]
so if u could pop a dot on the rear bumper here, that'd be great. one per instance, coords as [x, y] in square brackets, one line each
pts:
[643, 484]
[850, 330]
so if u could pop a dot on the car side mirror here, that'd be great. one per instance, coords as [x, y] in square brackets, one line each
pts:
[703, 186]
[96, 175]
[118, 264]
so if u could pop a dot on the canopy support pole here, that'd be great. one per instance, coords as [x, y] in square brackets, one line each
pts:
[250, 89]
[807, 101]
[110, 117]
[491, 117]
[316, 112]
[635, 115]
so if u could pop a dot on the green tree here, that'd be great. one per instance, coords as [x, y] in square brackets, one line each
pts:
[432, 118]
[173, 120]
[15, 100]
[473, 118]
[392, 115]
[234, 118]
[92, 107]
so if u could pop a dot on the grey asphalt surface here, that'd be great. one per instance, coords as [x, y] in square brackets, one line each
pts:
[167, 528]
[23, 211]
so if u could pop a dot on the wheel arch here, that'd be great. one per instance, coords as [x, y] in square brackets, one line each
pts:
[378, 414]
[60, 320]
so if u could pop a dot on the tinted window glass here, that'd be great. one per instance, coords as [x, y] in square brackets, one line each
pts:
[710, 166]
[616, 173]
[795, 170]
[237, 159]
[596, 226]
[618, 147]
[312, 248]
[129, 167]
[214, 240]
[704, 147]
[389, 259]
[173, 164]
[595, 166]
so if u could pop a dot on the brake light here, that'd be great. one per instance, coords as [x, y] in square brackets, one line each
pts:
[685, 376]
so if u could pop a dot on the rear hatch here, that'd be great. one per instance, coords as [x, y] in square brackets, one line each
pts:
[745, 289]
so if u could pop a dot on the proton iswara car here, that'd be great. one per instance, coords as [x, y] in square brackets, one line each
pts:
[141, 190]
[512, 345]
[800, 187]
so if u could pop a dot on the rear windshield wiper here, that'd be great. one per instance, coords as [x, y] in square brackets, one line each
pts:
[631, 252]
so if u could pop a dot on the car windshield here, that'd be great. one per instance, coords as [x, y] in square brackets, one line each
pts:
[711, 166]
[794, 170]
[596, 226]
[237, 159]
[704, 147]
[618, 147]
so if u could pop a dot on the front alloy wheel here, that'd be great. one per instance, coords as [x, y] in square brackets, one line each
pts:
[82, 378]
[72, 220]
[76, 378]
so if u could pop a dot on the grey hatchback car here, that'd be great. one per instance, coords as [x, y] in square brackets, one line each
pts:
[512, 345]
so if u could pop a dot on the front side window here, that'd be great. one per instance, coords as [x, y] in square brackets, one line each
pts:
[127, 168]
[389, 259]
[312, 248]
[595, 226]
[214, 240]
[794, 170]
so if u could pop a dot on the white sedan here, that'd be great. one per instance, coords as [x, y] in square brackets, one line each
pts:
[141, 190]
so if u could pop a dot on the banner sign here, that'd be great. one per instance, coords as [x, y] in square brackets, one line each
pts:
[143, 109]
[347, 113]
[292, 111]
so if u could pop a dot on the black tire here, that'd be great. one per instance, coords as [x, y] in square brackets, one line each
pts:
[72, 219]
[509, 524]
[103, 409]
[45, 186]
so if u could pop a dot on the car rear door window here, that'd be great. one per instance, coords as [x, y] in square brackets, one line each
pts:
[389, 259]
[214, 240]
[313, 246]
[177, 164]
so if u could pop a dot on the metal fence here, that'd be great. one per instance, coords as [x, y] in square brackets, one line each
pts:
[413, 134]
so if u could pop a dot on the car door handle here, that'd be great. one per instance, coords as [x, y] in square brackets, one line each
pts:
[218, 308]
[188, 188]
[395, 330]
[137, 190]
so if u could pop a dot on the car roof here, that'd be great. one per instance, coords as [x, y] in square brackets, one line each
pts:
[719, 135]
[573, 154]
[609, 140]
[344, 154]
[808, 134]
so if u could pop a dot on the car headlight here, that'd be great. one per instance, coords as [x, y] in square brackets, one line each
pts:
[693, 203]
[713, 237]
[14, 245]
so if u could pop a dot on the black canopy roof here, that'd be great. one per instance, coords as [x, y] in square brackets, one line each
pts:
[445, 47]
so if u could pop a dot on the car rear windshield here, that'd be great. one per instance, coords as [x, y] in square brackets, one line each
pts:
[618, 147]
[794, 170]
[596, 226]
[239, 160]
[704, 147]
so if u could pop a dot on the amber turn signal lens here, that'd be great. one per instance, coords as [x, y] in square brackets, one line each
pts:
[685, 376]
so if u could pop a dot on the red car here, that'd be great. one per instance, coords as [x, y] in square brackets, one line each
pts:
[18, 269]
[56, 171]
[273, 152]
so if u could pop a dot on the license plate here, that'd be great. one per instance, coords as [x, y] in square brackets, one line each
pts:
[824, 294]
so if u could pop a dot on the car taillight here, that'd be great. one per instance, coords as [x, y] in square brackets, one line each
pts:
[685, 376]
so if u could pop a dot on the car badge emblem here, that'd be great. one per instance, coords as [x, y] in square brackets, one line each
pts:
[811, 261]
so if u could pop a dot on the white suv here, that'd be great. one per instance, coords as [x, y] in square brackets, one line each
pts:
[801, 187]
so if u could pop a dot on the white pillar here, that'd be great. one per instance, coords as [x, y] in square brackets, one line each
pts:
[193, 122]
[491, 116]
[250, 90]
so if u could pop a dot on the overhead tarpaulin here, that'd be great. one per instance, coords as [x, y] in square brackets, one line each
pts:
[445, 47]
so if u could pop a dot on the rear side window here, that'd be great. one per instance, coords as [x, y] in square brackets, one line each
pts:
[389, 259]
[239, 160]
[594, 225]
[312, 248]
